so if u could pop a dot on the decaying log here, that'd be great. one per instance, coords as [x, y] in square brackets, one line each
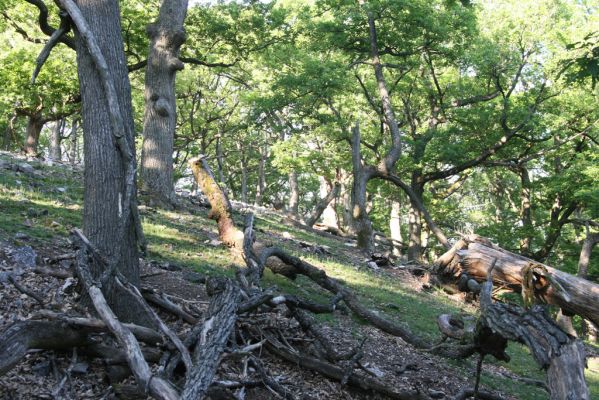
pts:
[216, 329]
[473, 256]
[563, 356]
[22, 336]
[220, 207]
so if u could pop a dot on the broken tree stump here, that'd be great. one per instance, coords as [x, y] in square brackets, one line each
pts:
[473, 255]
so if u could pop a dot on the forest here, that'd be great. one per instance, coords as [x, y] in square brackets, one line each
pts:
[309, 199]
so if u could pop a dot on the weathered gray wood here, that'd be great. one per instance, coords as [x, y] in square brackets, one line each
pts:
[473, 255]
[563, 356]
[216, 329]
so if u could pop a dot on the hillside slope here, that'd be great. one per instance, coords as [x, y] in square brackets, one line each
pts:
[40, 203]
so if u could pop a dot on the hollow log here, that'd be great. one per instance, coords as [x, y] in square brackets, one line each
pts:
[474, 255]
[220, 207]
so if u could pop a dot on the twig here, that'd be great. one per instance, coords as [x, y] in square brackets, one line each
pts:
[24, 290]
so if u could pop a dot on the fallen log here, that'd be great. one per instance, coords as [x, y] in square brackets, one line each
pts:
[473, 256]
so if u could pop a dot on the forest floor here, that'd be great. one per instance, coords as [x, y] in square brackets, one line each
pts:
[40, 203]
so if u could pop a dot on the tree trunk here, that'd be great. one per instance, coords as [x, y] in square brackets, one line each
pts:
[9, 131]
[56, 140]
[322, 204]
[361, 221]
[261, 177]
[525, 211]
[244, 173]
[220, 206]
[74, 141]
[166, 37]
[329, 215]
[474, 256]
[219, 164]
[293, 194]
[415, 223]
[395, 227]
[590, 241]
[35, 123]
[104, 179]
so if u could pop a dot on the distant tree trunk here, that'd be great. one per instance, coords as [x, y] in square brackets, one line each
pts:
[346, 214]
[104, 179]
[261, 177]
[293, 194]
[166, 37]
[415, 222]
[395, 227]
[559, 216]
[525, 211]
[74, 140]
[244, 173]
[362, 224]
[590, 241]
[219, 163]
[322, 204]
[329, 215]
[35, 123]
[56, 140]
[9, 131]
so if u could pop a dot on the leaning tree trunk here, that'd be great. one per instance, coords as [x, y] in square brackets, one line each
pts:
[220, 206]
[166, 37]
[329, 215]
[105, 186]
[35, 123]
[471, 257]
[323, 204]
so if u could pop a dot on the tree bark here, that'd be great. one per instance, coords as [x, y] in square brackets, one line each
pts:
[329, 215]
[166, 37]
[361, 221]
[221, 209]
[35, 123]
[293, 194]
[74, 141]
[9, 132]
[322, 204]
[261, 187]
[244, 174]
[105, 186]
[525, 211]
[590, 241]
[395, 227]
[474, 256]
[56, 140]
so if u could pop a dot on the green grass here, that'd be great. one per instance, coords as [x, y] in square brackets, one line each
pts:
[181, 238]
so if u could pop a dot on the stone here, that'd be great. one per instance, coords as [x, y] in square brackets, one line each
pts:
[21, 236]
[373, 265]
[80, 368]
[24, 256]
